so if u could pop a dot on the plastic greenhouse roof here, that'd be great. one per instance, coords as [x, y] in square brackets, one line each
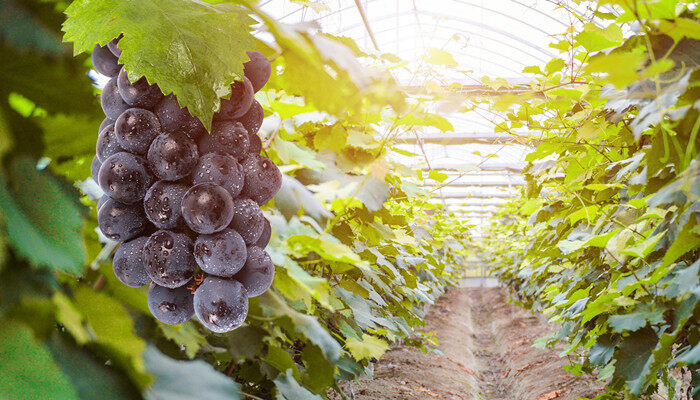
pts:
[495, 38]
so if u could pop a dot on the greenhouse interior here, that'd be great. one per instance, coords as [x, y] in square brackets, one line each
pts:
[350, 199]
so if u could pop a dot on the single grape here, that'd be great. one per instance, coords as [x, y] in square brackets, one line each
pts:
[258, 272]
[112, 103]
[135, 130]
[258, 69]
[128, 263]
[221, 304]
[101, 202]
[163, 202]
[124, 177]
[112, 46]
[255, 144]
[221, 254]
[104, 61]
[252, 120]
[207, 208]
[239, 102]
[105, 123]
[140, 93]
[171, 306]
[119, 221]
[168, 258]
[265, 235]
[248, 220]
[262, 178]
[95, 168]
[172, 156]
[220, 169]
[176, 119]
[227, 137]
[107, 143]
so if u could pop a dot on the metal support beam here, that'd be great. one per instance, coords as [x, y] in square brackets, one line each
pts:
[365, 21]
[476, 184]
[516, 168]
[460, 138]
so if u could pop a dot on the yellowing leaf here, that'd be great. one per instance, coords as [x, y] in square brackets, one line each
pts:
[593, 38]
[369, 347]
[440, 57]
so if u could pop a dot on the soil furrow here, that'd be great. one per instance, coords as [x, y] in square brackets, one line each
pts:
[485, 353]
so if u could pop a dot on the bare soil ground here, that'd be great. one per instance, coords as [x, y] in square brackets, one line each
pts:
[487, 354]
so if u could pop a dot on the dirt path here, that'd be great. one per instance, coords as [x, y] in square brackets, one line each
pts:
[485, 353]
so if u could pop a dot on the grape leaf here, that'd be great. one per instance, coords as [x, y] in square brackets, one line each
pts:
[114, 330]
[28, 371]
[368, 347]
[42, 218]
[89, 375]
[190, 48]
[306, 325]
[289, 389]
[181, 380]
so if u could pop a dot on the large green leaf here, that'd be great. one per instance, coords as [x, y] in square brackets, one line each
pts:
[50, 82]
[28, 371]
[113, 329]
[92, 379]
[635, 357]
[289, 389]
[186, 380]
[190, 48]
[42, 217]
[306, 325]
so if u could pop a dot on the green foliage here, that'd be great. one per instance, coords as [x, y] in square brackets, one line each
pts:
[358, 250]
[43, 219]
[605, 238]
[28, 372]
[176, 33]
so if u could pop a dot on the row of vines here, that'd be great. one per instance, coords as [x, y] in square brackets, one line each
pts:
[604, 237]
[359, 251]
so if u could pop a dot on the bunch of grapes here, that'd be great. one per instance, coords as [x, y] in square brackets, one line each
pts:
[183, 203]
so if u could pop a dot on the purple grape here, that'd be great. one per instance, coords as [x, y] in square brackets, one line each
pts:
[168, 258]
[112, 103]
[172, 156]
[265, 235]
[227, 137]
[140, 93]
[107, 143]
[255, 144]
[104, 61]
[248, 220]
[221, 254]
[119, 221]
[221, 304]
[257, 273]
[207, 208]
[95, 168]
[135, 130]
[101, 202]
[163, 202]
[176, 119]
[171, 306]
[258, 69]
[112, 46]
[239, 102]
[105, 122]
[252, 120]
[220, 169]
[124, 177]
[128, 263]
[262, 178]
